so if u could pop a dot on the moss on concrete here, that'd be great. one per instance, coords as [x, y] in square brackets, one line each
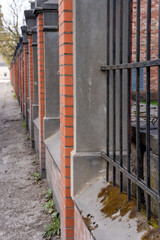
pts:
[151, 234]
[114, 201]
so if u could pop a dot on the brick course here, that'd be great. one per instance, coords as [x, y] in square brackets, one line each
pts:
[81, 231]
[25, 77]
[41, 87]
[66, 114]
[31, 80]
[154, 38]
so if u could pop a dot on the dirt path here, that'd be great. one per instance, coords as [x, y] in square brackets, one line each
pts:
[21, 199]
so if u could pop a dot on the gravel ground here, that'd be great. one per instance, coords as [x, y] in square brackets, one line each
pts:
[21, 199]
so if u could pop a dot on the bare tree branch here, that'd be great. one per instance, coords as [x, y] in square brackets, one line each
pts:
[9, 33]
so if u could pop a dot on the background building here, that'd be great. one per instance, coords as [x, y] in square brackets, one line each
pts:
[4, 70]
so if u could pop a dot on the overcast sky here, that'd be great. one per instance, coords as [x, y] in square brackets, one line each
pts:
[5, 8]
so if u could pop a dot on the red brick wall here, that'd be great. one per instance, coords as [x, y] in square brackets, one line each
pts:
[25, 77]
[54, 178]
[81, 232]
[154, 37]
[41, 86]
[21, 79]
[22, 76]
[13, 74]
[66, 114]
[30, 74]
[17, 79]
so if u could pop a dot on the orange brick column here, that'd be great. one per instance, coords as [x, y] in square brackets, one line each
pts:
[13, 72]
[25, 79]
[66, 114]
[41, 90]
[31, 83]
[22, 80]
[16, 74]
[18, 80]
[15, 67]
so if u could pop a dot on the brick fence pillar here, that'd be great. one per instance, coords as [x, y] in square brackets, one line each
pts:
[18, 84]
[41, 89]
[17, 74]
[25, 49]
[21, 79]
[14, 69]
[66, 114]
[31, 87]
[31, 23]
[35, 74]
[41, 83]
[22, 59]
[18, 80]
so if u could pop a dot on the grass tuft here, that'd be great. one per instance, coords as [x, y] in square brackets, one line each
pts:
[54, 228]
[24, 124]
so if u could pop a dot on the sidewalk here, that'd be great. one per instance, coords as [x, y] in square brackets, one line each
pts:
[21, 199]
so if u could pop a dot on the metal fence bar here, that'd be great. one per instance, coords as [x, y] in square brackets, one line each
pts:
[159, 119]
[114, 90]
[152, 63]
[133, 178]
[148, 46]
[137, 179]
[129, 102]
[138, 104]
[108, 108]
[121, 94]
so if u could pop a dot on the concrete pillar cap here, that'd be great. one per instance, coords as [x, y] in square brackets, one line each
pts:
[23, 29]
[29, 14]
[38, 3]
[50, 5]
[32, 5]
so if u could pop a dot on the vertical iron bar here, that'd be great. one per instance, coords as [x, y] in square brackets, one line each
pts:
[108, 49]
[148, 104]
[137, 104]
[114, 90]
[159, 118]
[120, 101]
[129, 100]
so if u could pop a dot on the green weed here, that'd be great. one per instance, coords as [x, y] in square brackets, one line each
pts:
[37, 177]
[48, 207]
[54, 227]
[28, 137]
[24, 124]
[15, 96]
[48, 195]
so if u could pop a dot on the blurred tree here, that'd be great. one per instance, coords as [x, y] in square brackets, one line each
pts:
[9, 30]
[1, 15]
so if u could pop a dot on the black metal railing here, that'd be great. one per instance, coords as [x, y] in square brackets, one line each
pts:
[118, 69]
